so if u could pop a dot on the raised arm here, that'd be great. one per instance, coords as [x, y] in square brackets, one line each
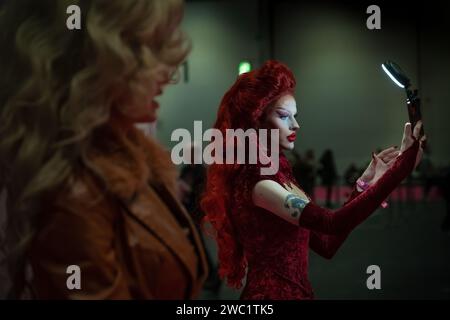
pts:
[327, 245]
[299, 210]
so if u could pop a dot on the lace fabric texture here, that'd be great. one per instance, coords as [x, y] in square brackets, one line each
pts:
[277, 252]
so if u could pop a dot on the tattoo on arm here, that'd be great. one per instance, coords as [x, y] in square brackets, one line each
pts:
[295, 204]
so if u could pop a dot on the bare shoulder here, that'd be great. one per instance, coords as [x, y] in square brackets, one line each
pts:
[267, 185]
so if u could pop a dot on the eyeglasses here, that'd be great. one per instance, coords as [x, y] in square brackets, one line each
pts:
[175, 76]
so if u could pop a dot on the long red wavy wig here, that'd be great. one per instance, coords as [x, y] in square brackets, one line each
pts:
[244, 106]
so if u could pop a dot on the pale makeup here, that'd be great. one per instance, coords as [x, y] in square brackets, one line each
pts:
[282, 116]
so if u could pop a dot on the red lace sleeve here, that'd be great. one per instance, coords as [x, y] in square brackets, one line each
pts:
[327, 245]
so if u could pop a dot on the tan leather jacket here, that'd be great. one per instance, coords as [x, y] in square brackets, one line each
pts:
[129, 243]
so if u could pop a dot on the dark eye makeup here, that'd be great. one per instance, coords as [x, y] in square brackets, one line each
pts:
[283, 114]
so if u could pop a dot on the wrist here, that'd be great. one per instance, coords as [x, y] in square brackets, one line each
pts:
[362, 184]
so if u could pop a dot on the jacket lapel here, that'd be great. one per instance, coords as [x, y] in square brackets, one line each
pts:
[167, 225]
[182, 215]
[139, 160]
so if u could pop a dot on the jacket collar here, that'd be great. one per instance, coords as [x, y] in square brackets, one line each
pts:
[143, 167]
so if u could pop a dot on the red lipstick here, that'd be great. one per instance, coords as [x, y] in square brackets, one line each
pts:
[291, 138]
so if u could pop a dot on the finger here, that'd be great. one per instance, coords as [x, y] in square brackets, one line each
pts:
[423, 138]
[387, 151]
[391, 156]
[374, 160]
[407, 131]
[423, 142]
[376, 157]
[391, 162]
[417, 129]
[391, 153]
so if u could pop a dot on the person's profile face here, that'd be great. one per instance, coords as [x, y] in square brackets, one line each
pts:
[281, 116]
[147, 111]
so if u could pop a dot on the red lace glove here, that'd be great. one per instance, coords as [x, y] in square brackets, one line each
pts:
[327, 245]
[345, 219]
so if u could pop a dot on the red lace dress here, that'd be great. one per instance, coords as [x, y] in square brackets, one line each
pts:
[276, 252]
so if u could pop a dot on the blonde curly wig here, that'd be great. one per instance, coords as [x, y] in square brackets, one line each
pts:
[58, 85]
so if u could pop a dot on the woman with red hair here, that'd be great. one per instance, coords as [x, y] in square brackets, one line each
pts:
[265, 224]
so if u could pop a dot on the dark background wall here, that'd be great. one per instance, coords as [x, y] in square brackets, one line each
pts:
[345, 100]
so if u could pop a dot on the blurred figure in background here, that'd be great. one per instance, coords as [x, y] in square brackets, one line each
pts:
[298, 167]
[84, 186]
[351, 175]
[310, 160]
[193, 177]
[193, 180]
[328, 174]
[304, 170]
[426, 172]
